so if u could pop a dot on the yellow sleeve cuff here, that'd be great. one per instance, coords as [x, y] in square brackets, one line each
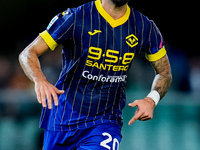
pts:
[49, 40]
[154, 57]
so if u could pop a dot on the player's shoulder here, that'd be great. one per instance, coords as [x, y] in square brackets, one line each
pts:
[70, 14]
[81, 8]
[139, 17]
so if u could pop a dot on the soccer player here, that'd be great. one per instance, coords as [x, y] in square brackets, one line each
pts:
[99, 39]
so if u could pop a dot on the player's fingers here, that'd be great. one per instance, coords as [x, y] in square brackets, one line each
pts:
[49, 99]
[145, 118]
[43, 97]
[55, 98]
[137, 115]
[38, 94]
[55, 94]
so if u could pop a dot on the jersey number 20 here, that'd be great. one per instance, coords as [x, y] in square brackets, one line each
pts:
[108, 140]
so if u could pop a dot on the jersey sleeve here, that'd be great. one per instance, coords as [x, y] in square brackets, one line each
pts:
[154, 44]
[59, 29]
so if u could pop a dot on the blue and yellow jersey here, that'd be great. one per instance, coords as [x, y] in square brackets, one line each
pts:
[97, 53]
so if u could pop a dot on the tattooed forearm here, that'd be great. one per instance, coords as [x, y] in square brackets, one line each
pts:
[163, 78]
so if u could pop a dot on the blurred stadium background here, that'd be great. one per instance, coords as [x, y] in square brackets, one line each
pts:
[176, 122]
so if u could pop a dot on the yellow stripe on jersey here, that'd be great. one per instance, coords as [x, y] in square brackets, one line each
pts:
[49, 40]
[154, 57]
[109, 19]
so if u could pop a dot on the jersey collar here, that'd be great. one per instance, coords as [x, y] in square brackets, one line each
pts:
[108, 18]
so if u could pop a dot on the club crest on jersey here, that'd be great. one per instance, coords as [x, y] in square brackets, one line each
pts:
[132, 40]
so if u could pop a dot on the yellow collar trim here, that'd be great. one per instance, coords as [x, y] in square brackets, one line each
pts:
[108, 18]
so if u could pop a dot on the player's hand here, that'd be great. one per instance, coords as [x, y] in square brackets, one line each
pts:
[45, 90]
[144, 111]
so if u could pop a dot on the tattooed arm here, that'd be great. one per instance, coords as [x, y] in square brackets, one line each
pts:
[163, 77]
[161, 83]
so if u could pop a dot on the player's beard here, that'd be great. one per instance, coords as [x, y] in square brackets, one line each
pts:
[120, 3]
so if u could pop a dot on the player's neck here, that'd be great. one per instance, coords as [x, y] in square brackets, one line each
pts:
[114, 11]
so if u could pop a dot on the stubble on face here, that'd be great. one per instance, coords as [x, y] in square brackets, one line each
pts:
[119, 3]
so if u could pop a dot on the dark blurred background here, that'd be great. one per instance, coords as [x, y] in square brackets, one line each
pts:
[176, 123]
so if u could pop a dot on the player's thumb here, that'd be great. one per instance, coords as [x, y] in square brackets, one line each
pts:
[59, 91]
[135, 103]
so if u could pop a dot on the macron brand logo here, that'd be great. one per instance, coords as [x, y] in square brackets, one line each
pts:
[95, 32]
